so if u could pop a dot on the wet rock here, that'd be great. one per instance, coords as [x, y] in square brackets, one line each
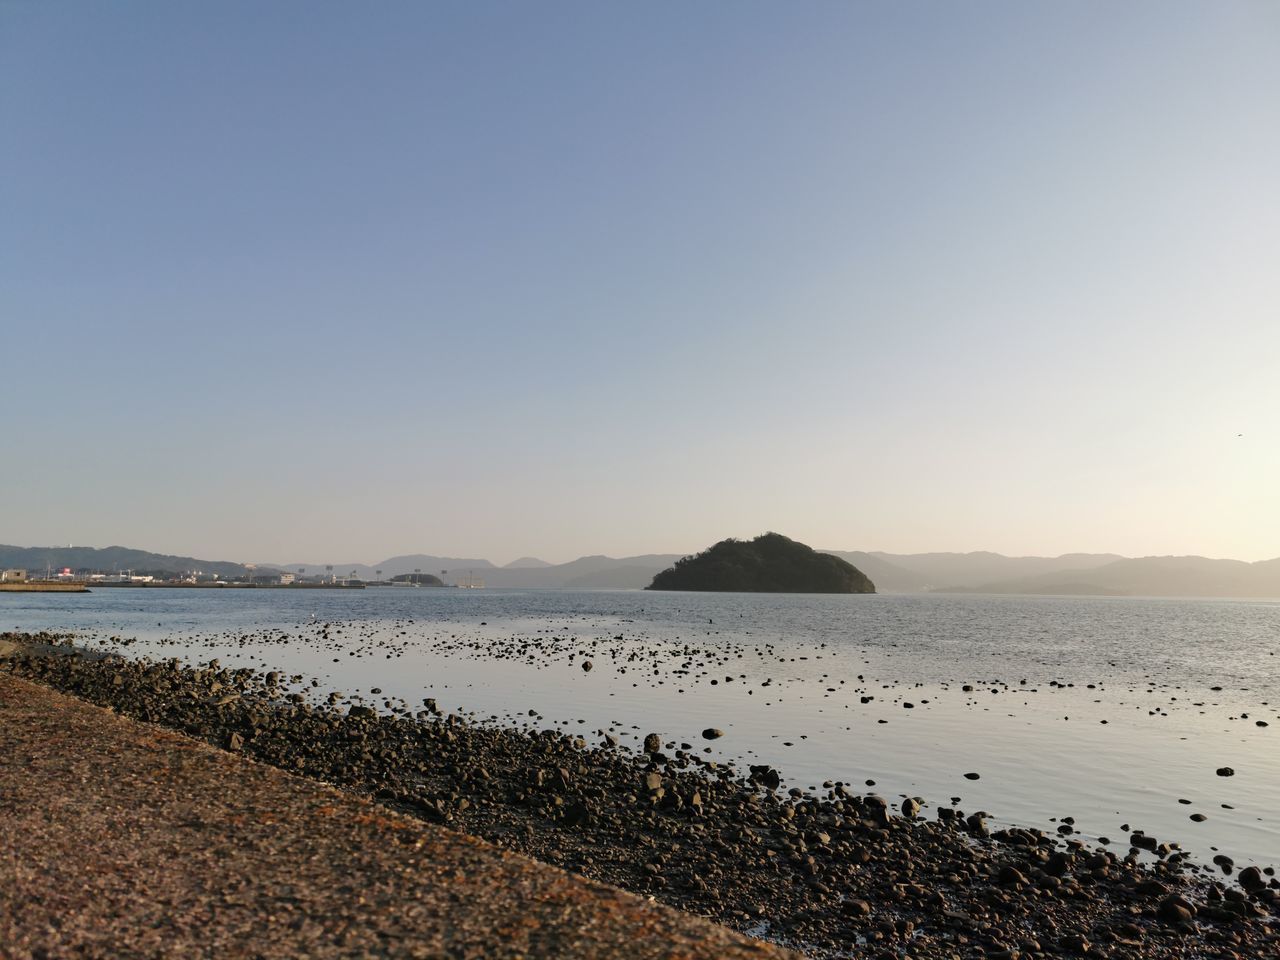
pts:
[1143, 842]
[1175, 909]
[856, 908]
[1059, 863]
[1250, 878]
[577, 815]
[1009, 874]
[1074, 943]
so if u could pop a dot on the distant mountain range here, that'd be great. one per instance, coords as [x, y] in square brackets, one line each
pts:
[1100, 574]
[109, 560]
[917, 572]
[585, 573]
[1075, 574]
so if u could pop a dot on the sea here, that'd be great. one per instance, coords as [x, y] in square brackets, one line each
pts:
[1092, 717]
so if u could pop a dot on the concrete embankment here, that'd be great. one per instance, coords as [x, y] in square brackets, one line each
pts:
[42, 586]
[80, 586]
[121, 839]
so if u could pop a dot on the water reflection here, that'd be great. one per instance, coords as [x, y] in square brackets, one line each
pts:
[1101, 709]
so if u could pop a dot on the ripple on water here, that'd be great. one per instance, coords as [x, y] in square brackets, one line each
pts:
[1109, 711]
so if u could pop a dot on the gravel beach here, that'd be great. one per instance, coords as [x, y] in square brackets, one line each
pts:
[120, 839]
[842, 874]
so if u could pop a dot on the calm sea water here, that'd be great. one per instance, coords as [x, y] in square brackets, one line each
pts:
[1110, 711]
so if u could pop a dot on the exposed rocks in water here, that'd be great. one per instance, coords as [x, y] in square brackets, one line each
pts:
[838, 874]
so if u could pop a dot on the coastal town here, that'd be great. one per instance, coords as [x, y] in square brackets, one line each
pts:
[67, 580]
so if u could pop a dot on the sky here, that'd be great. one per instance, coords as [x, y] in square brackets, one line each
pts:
[344, 281]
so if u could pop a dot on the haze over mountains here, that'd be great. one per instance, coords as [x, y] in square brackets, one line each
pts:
[38, 560]
[585, 573]
[1083, 574]
[916, 572]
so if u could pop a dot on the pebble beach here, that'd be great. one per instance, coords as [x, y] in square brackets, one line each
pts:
[843, 871]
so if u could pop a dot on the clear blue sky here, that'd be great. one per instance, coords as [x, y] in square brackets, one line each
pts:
[339, 281]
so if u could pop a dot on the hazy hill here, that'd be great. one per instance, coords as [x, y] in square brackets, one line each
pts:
[909, 572]
[615, 578]
[109, 560]
[888, 577]
[1150, 577]
[585, 573]
[771, 563]
[394, 566]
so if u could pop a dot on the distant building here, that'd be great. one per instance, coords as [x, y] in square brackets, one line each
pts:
[13, 576]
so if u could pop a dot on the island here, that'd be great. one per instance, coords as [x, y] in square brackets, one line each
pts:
[771, 563]
[417, 580]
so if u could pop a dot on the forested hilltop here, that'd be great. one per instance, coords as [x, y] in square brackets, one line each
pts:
[771, 563]
[110, 560]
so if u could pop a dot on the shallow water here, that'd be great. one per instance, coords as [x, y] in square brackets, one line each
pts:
[784, 677]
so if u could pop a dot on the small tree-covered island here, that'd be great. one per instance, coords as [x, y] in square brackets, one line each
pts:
[771, 563]
[418, 579]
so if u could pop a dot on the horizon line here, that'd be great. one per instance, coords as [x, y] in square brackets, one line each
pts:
[529, 556]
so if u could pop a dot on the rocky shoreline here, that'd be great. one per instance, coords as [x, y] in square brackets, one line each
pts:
[842, 874]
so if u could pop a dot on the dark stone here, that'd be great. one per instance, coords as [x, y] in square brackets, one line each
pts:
[856, 908]
[1251, 879]
[1174, 909]
[1010, 874]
